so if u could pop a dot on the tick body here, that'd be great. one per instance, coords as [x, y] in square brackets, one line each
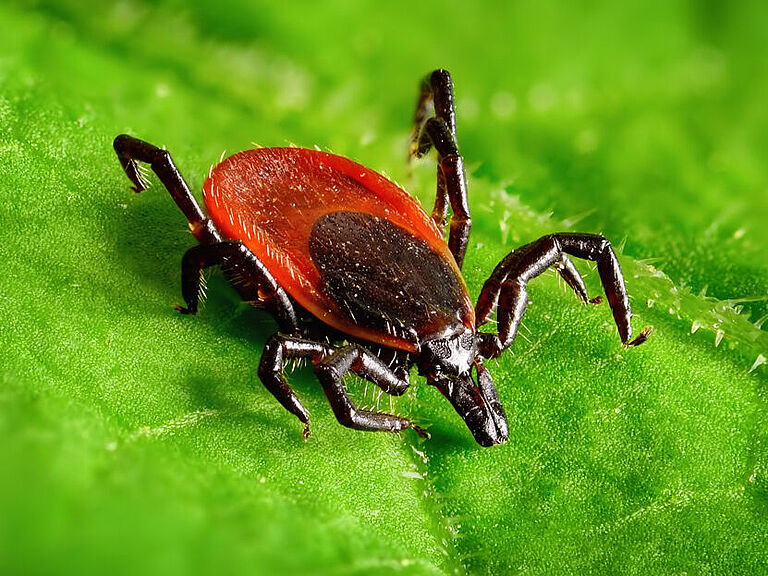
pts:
[359, 278]
[348, 245]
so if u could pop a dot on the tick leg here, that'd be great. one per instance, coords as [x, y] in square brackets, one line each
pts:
[397, 361]
[330, 366]
[568, 272]
[507, 285]
[130, 151]
[434, 125]
[276, 351]
[354, 358]
[247, 274]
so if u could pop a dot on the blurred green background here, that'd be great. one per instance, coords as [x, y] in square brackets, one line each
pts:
[134, 440]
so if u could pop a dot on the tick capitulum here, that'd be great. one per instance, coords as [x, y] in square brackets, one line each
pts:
[448, 364]
[304, 233]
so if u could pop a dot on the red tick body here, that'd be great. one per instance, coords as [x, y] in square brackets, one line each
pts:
[308, 235]
[271, 199]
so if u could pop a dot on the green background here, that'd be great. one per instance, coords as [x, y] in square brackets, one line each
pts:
[134, 440]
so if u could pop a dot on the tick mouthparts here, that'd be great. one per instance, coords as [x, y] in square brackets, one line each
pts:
[492, 401]
[478, 405]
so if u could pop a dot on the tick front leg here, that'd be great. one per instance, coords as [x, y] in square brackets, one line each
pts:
[506, 288]
[434, 125]
[331, 370]
[246, 272]
[130, 151]
[330, 366]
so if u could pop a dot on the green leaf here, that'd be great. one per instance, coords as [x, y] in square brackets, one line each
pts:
[136, 440]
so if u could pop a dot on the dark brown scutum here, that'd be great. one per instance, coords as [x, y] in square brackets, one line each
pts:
[382, 276]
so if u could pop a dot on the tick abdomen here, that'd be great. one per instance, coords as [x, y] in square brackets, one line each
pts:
[316, 220]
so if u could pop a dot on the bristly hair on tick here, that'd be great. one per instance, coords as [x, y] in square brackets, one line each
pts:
[202, 294]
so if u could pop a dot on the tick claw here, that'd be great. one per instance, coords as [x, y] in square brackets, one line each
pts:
[596, 300]
[305, 433]
[420, 431]
[181, 309]
[642, 337]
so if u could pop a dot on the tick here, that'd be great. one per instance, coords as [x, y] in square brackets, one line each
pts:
[359, 277]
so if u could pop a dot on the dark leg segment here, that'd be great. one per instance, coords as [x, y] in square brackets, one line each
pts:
[506, 286]
[568, 272]
[439, 131]
[357, 359]
[131, 150]
[330, 366]
[277, 350]
[241, 263]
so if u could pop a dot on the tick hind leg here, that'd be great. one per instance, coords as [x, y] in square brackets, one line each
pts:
[434, 125]
[331, 364]
[246, 272]
[506, 287]
[130, 151]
